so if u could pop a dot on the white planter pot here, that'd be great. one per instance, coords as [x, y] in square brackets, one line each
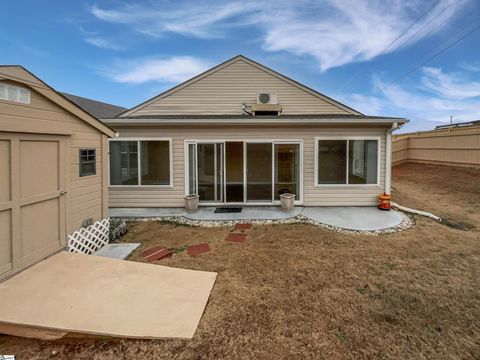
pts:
[191, 203]
[288, 202]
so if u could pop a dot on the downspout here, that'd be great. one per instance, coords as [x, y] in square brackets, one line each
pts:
[388, 159]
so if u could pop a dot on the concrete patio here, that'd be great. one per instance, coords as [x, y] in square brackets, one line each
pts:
[350, 218]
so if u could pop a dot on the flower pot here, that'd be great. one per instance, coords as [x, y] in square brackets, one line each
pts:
[191, 203]
[288, 202]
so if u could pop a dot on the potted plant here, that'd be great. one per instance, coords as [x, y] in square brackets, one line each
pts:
[288, 202]
[191, 203]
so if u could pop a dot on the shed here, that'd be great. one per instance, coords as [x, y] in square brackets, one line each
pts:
[53, 169]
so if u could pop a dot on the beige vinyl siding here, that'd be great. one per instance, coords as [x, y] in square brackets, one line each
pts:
[223, 92]
[84, 197]
[313, 196]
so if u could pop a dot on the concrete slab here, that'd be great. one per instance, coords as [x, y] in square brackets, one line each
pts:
[145, 212]
[117, 251]
[248, 213]
[100, 296]
[354, 218]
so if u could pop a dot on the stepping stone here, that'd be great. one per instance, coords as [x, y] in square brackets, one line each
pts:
[194, 250]
[236, 237]
[117, 251]
[155, 253]
[246, 226]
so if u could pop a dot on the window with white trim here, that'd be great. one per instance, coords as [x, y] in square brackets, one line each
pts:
[140, 162]
[14, 93]
[347, 162]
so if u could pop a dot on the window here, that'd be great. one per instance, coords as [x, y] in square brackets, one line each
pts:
[362, 160]
[87, 162]
[332, 161]
[14, 93]
[140, 162]
[347, 162]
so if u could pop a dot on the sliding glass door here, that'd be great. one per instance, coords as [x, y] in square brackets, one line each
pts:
[244, 172]
[259, 172]
[234, 185]
[287, 169]
[206, 171]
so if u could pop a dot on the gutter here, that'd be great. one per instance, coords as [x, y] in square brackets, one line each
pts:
[250, 121]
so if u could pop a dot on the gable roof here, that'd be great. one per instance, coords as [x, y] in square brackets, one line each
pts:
[254, 64]
[19, 74]
[95, 108]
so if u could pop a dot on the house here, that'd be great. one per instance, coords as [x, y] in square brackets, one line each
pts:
[241, 133]
[53, 177]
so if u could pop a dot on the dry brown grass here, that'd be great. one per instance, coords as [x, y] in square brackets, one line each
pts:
[297, 291]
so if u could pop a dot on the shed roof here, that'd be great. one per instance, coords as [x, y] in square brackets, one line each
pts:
[19, 74]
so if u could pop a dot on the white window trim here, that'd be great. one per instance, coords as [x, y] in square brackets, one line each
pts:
[138, 140]
[298, 201]
[333, 137]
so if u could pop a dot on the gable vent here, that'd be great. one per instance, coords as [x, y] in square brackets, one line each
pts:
[14, 93]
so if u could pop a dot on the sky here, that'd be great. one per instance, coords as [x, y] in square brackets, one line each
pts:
[381, 57]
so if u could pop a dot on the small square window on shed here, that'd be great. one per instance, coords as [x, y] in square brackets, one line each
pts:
[87, 162]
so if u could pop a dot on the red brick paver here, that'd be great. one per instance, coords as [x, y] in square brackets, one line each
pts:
[236, 237]
[194, 250]
[246, 226]
[156, 253]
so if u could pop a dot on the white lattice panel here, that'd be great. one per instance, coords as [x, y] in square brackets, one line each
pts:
[90, 239]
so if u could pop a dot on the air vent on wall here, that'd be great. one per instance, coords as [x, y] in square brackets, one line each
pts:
[14, 93]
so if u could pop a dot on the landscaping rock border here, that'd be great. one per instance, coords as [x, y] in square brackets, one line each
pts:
[407, 223]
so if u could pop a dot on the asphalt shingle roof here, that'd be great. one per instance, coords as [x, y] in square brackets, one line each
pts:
[95, 108]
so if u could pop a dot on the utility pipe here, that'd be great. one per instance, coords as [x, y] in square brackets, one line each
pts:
[414, 211]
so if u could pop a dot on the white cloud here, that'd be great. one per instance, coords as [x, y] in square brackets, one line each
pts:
[449, 85]
[435, 97]
[103, 43]
[202, 20]
[470, 66]
[334, 32]
[158, 69]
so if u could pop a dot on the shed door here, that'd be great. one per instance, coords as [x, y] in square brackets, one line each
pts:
[32, 201]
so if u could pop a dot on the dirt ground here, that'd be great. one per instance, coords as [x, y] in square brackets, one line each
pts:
[301, 292]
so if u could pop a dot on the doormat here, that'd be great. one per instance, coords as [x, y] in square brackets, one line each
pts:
[224, 210]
